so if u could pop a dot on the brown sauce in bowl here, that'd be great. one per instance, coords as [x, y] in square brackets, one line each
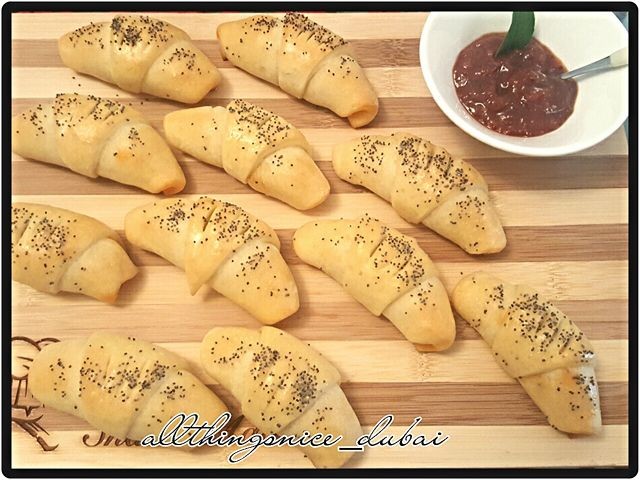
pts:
[518, 94]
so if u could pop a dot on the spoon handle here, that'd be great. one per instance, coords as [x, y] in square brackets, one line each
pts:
[618, 58]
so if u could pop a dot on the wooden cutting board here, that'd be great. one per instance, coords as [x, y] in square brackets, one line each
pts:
[565, 219]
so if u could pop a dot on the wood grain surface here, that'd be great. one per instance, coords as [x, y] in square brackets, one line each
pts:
[566, 221]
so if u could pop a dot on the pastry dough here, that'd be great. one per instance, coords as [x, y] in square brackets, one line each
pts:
[536, 344]
[385, 271]
[254, 146]
[141, 54]
[219, 244]
[425, 184]
[284, 387]
[54, 250]
[97, 137]
[124, 387]
[305, 59]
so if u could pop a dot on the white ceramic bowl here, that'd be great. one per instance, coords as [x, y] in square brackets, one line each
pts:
[576, 38]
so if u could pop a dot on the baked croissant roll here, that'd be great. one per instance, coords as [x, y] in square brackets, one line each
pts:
[384, 270]
[97, 137]
[536, 344]
[124, 387]
[284, 387]
[424, 184]
[55, 250]
[253, 145]
[141, 54]
[219, 244]
[304, 59]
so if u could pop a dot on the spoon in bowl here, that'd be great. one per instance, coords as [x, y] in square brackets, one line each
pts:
[619, 58]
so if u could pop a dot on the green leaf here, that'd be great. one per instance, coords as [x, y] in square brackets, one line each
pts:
[519, 34]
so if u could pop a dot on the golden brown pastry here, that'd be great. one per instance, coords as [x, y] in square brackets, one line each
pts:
[55, 250]
[284, 387]
[424, 184]
[219, 244]
[97, 137]
[304, 59]
[386, 271]
[141, 54]
[536, 344]
[253, 145]
[124, 387]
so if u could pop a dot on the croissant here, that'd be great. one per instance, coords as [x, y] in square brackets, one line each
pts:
[304, 59]
[536, 344]
[424, 184]
[141, 54]
[124, 387]
[284, 387]
[97, 137]
[385, 271]
[254, 146]
[54, 250]
[219, 244]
